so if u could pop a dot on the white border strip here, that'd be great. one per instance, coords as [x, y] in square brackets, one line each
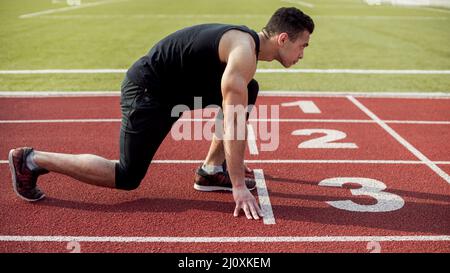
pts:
[261, 71]
[267, 93]
[275, 239]
[402, 141]
[263, 197]
[294, 161]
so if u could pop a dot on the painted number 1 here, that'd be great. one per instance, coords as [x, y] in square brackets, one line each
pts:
[385, 201]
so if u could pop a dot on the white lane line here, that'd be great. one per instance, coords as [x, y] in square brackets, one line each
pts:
[293, 161]
[355, 71]
[274, 239]
[64, 71]
[340, 94]
[427, 122]
[264, 93]
[262, 71]
[158, 16]
[402, 141]
[379, 17]
[307, 106]
[49, 11]
[441, 10]
[300, 3]
[58, 121]
[57, 94]
[263, 197]
[418, 122]
[251, 140]
[154, 16]
[293, 120]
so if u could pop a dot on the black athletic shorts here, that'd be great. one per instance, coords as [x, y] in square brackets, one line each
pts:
[146, 120]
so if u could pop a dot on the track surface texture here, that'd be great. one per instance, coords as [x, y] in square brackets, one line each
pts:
[385, 183]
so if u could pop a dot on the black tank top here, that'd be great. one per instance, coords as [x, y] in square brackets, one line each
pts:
[186, 63]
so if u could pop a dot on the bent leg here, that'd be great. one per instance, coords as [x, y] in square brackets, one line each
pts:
[146, 121]
[137, 151]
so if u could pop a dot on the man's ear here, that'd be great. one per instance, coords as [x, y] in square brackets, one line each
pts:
[282, 38]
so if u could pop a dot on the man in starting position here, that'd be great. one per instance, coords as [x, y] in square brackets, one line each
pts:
[216, 62]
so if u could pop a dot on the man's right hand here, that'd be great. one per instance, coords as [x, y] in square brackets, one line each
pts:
[245, 201]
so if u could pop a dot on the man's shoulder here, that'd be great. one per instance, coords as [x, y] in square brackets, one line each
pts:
[236, 38]
[238, 47]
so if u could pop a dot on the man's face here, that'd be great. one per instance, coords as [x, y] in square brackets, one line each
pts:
[291, 52]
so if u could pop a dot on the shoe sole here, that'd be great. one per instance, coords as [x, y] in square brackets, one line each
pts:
[211, 188]
[215, 188]
[14, 179]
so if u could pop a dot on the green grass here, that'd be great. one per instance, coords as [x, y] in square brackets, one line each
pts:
[348, 35]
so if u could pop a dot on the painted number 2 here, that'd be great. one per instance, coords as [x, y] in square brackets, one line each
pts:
[385, 201]
[325, 142]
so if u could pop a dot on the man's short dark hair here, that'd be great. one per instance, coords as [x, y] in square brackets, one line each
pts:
[290, 20]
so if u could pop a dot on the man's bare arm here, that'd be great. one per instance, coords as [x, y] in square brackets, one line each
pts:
[240, 69]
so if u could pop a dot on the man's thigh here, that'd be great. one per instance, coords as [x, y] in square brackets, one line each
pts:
[146, 121]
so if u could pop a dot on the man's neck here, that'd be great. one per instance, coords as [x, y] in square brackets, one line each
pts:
[266, 48]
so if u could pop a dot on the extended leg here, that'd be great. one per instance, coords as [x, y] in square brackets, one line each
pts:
[88, 168]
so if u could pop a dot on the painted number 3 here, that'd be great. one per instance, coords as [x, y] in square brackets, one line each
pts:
[370, 187]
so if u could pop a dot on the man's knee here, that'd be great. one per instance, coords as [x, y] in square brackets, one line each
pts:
[253, 89]
[127, 179]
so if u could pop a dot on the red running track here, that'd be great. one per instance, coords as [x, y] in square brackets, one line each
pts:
[165, 214]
